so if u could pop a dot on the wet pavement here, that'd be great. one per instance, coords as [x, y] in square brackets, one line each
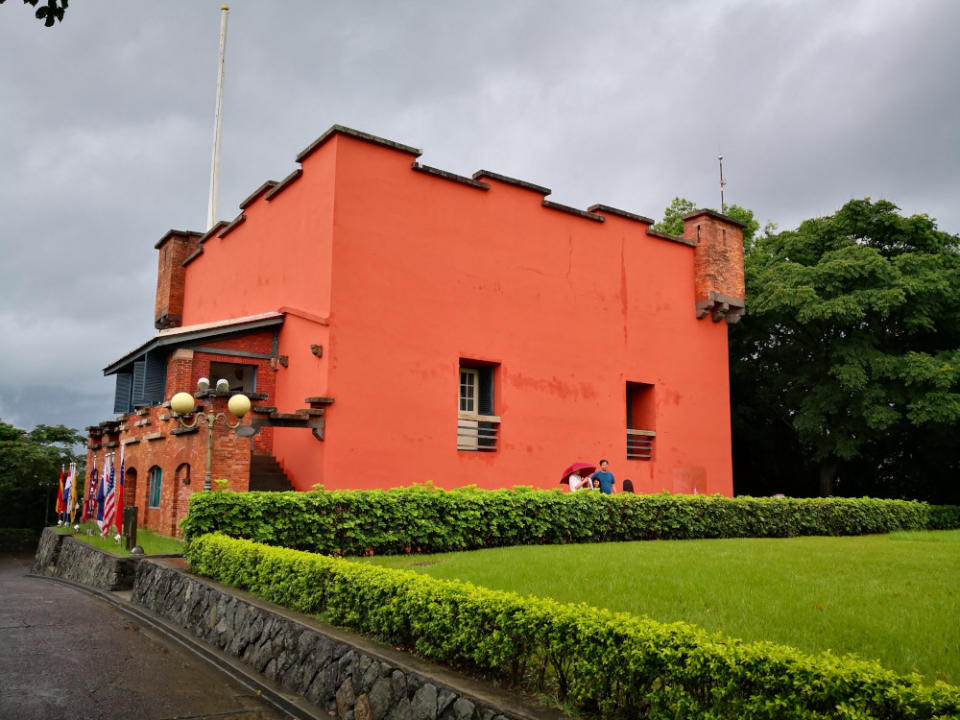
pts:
[65, 653]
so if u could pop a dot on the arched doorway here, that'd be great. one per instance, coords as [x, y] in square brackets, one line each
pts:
[130, 487]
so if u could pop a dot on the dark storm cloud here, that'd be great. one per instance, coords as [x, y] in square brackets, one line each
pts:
[106, 122]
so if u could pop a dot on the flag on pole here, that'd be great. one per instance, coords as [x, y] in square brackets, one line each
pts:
[118, 512]
[72, 494]
[109, 502]
[60, 504]
[102, 492]
[90, 494]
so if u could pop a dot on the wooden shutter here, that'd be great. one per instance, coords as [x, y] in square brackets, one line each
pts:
[121, 396]
[155, 378]
[139, 368]
[485, 397]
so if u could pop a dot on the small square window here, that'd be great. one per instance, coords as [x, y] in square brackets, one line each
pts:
[477, 426]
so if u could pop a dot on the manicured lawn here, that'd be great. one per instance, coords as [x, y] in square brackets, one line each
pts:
[151, 543]
[892, 598]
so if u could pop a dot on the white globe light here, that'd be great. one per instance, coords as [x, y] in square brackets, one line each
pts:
[239, 405]
[182, 403]
[203, 384]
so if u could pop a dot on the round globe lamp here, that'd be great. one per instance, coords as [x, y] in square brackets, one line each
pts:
[182, 403]
[239, 405]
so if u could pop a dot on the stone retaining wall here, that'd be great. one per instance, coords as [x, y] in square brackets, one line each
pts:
[355, 680]
[346, 676]
[64, 557]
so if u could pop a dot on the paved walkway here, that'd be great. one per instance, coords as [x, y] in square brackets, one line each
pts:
[67, 654]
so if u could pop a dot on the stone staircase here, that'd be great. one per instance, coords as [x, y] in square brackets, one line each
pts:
[266, 473]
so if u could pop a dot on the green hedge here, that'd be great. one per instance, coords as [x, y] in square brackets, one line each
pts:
[358, 522]
[614, 665]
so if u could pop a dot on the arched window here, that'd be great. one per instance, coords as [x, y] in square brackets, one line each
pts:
[156, 486]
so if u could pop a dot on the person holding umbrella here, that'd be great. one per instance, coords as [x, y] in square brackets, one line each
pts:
[577, 476]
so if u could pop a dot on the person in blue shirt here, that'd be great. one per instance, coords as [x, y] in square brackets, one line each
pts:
[605, 477]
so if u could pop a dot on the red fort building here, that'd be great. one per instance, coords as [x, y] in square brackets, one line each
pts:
[393, 323]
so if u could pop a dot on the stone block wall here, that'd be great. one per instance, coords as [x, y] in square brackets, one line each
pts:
[350, 681]
[63, 557]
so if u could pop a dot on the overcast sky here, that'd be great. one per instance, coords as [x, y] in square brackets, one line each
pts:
[106, 124]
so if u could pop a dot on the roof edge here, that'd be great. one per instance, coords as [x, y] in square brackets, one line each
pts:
[170, 233]
[715, 215]
[358, 135]
[479, 174]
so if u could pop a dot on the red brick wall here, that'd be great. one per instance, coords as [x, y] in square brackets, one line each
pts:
[148, 442]
[173, 250]
[718, 258]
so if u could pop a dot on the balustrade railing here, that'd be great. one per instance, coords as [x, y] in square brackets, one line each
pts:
[640, 444]
[477, 432]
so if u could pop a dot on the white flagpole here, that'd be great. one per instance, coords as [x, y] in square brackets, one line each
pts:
[215, 163]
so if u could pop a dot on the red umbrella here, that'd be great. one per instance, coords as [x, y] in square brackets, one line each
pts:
[581, 468]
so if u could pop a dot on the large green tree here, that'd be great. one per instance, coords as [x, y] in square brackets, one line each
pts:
[49, 12]
[846, 370]
[30, 463]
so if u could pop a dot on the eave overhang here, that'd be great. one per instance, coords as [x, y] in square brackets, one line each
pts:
[193, 334]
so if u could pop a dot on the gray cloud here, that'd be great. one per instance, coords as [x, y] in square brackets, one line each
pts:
[106, 123]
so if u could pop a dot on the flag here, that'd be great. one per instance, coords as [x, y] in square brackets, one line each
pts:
[101, 492]
[72, 503]
[118, 513]
[90, 497]
[109, 502]
[60, 505]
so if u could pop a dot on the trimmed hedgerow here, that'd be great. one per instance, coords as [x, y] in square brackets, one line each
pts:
[419, 519]
[611, 664]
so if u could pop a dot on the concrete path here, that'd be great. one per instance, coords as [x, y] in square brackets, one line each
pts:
[66, 654]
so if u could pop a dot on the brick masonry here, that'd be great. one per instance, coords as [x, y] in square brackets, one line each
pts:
[718, 264]
[151, 437]
[173, 249]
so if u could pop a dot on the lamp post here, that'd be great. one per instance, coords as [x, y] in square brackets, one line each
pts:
[183, 404]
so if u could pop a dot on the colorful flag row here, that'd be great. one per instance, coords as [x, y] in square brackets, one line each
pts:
[104, 495]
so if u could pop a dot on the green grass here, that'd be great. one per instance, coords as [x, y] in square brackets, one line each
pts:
[151, 542]
[892, 598]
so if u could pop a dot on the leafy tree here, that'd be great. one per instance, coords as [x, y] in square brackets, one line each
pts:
[848, 362]
[672, 222]
[30, 463]
[52, 11]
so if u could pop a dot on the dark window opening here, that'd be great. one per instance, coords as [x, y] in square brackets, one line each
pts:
[641, 421]
[242, 378]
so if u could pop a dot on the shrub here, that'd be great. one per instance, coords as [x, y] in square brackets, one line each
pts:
[359, 522]
[614, 665]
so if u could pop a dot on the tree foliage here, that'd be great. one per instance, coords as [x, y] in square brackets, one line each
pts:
[30, 463]
[847, 367]
[50, 12]
[672, 223]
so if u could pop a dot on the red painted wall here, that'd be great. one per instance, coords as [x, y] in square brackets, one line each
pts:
[399, 274]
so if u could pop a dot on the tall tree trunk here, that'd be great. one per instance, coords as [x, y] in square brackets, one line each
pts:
[828, 474]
